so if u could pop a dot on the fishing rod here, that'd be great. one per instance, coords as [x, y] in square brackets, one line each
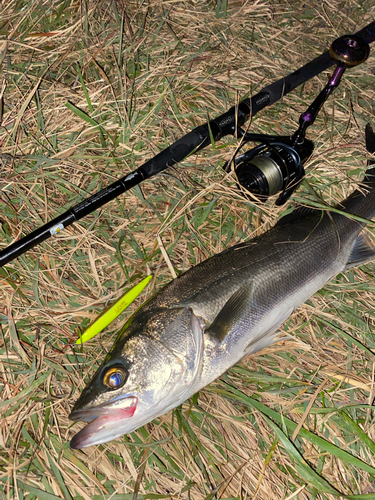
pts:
[274, 166]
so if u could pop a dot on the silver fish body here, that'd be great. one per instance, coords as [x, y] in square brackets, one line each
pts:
[218, 312]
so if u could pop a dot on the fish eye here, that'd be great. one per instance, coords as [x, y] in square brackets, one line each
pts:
[115, 377]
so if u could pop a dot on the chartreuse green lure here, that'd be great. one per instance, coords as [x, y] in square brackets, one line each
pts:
[113, 311]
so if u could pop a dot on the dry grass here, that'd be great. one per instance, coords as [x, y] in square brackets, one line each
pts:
[148, 72]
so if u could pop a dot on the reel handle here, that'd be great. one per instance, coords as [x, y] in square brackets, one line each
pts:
[349, 51]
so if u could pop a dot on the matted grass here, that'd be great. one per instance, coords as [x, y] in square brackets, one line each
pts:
[91, 90]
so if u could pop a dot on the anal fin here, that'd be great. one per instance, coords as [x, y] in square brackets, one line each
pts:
[270, 336]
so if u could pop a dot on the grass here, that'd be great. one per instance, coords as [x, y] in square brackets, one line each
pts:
[91, 90]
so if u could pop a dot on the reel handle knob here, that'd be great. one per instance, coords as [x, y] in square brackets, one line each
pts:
[349, 51]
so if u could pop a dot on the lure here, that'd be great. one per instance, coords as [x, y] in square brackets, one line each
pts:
[113, 311]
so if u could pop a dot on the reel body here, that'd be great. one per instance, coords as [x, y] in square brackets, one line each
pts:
[271, 168]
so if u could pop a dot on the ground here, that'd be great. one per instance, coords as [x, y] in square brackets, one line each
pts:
[90, 91]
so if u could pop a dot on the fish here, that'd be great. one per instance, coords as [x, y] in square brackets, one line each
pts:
[221, 311]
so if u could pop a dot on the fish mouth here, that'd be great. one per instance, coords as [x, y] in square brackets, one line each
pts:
[104, 421]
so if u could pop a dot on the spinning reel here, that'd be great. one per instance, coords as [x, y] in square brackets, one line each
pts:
[276, 165]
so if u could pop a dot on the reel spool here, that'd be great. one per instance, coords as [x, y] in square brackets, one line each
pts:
[269, 169]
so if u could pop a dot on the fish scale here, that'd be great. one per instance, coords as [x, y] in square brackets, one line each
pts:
[223, 309]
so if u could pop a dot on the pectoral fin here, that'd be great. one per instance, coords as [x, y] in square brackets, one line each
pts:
[236, 308]
[363, 251]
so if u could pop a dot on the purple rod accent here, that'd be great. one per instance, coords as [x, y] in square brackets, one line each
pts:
[336, 76]
[307, 117]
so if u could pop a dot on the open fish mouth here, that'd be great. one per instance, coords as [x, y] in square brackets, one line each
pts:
[103, 421]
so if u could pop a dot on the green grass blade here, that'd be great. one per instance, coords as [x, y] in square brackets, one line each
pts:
[85, 91]
[25, 392]
[84, 116]
[348, 337]
[303, 468]
[324, 445]
[40, 494]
